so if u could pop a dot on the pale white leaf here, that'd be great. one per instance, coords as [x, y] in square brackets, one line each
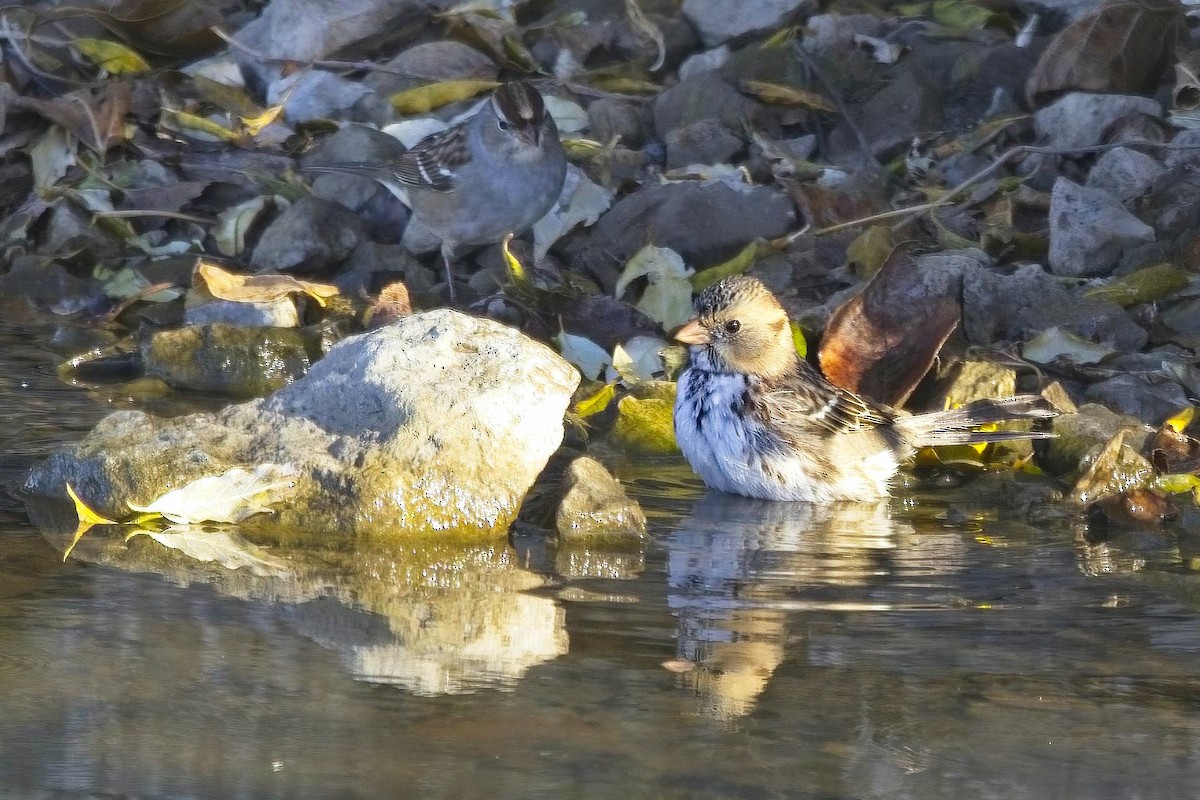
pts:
[668, 297]
[581, 202]
[569, 116]
[1055, 344]
[882, 51]
[230, 497]
[226, 548]
[638, 360]
[411, 131]
[232, 224]
[589, 357]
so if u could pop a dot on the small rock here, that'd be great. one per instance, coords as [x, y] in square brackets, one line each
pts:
[705, 223]
[1136, 396]
[1124, 173]
[1186, 148]
[1079, 119]
[833, 34]
[719, 21]
[708, 61]
[429, 63]
[595, 504]
[309, 235]
[240, 361]
[279, 313]
[609, 118]
[889, 121]
[707, 96]
[1089, 230]
[703, 142]
[1075, 435]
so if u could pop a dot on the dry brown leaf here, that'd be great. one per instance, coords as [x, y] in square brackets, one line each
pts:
[882, 341]
[94, 116]
[1120, 47]
[256, 288]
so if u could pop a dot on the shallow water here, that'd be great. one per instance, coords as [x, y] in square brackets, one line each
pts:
[929, 649]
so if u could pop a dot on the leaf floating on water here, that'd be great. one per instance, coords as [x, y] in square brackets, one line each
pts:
[226, 548]
[230, 497]
[423, 99]
[87, 519]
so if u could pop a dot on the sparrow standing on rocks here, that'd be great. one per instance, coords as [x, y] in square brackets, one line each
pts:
[497, 172]
[755, 419]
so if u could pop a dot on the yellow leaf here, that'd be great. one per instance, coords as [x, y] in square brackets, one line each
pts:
[781, 95]
[597, 401]
[1176, 483]
[1181, 420]
[87, 518]
[781, 38]
[254, 125]
[618, 84]
[798, 340]
[734, 266]
[423, 99]
[257, 288]
[515, 270]
[190, 122]
[112, 57]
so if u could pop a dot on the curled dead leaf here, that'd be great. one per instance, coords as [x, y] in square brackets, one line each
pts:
[227, 285]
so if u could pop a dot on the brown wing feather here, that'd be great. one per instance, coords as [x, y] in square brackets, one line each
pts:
[802, 402]
[432, 162]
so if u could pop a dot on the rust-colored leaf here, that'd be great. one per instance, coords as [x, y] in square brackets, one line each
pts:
[392, 304]
[881, 342]
[1122, 46]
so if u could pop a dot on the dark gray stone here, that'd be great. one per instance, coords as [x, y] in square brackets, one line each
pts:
[309, 235]
[1090, 230]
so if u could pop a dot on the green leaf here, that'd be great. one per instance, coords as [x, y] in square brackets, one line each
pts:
[734, 266]
[597, 401]
[112, 57]
[423, 99]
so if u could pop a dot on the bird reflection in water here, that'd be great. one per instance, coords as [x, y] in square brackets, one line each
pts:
[738, 569]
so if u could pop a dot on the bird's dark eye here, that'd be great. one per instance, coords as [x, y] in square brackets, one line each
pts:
[504, 124]
[733, 326]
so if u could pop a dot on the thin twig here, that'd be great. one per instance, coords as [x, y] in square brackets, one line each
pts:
[979, 176]
[836, 97]
[136, 213]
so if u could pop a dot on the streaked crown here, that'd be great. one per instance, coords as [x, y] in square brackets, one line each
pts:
[521, 105]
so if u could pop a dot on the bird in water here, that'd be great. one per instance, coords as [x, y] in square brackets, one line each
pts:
[755, 419]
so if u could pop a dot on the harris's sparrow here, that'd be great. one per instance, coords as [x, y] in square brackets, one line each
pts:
[755, 419]
[497, 172]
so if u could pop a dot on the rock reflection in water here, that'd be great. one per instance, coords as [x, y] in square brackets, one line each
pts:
[737, 567]
[432, 615]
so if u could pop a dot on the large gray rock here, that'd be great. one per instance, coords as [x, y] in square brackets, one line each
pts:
[719, 21]
[705, 223]
[1090, 230]
[438, 422]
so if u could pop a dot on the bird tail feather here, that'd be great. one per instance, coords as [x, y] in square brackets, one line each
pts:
[957, 425]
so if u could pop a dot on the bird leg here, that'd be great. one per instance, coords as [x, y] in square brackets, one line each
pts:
[448, 261]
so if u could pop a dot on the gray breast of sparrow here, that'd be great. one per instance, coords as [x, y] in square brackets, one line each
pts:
[753, 418]
[497, 172]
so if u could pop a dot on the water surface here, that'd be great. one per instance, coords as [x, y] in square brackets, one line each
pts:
[933, 648]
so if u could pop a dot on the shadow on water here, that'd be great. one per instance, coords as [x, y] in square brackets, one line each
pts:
[924, 649]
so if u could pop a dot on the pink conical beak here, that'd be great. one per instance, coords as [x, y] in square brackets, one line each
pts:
[692, 333]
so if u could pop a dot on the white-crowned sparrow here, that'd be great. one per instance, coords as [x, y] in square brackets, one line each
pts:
[495, 173]
[753, 418]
